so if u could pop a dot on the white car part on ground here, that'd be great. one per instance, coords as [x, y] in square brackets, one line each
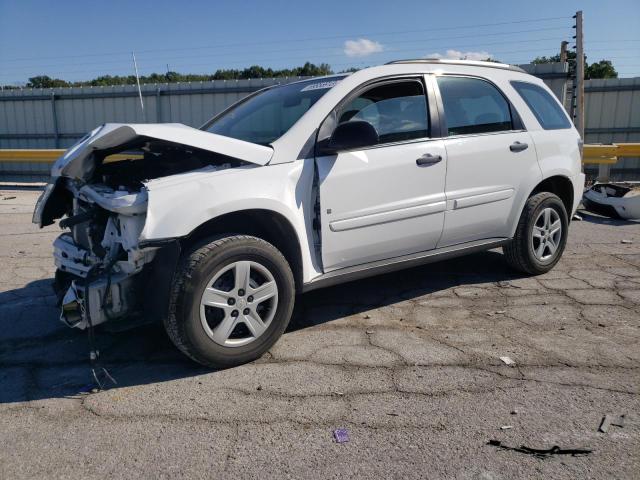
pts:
[614, 200]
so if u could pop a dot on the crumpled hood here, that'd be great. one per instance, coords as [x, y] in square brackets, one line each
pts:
[75, 161]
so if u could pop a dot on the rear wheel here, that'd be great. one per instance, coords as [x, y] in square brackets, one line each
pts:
[231, 300]
[541, 235]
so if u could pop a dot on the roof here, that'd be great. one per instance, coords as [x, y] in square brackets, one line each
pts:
[470, 63]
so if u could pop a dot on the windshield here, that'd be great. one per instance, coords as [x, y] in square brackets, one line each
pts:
[267, 116]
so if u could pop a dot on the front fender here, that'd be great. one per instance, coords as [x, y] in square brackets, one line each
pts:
[179, 206]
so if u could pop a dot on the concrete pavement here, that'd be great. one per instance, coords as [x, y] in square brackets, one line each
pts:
[408, 363]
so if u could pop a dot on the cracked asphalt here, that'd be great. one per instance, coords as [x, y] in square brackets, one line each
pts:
[408, 363]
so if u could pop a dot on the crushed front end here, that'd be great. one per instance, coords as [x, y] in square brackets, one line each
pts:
[99, 190]
[98, 258]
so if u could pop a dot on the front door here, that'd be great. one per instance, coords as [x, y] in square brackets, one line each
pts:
[383, 200]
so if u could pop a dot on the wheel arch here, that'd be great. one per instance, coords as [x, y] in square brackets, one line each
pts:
[559, 185]
[266, 224]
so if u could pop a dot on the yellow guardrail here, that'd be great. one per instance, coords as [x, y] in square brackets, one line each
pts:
[30, 156]
[609, 154]
[49, 156]
[593, 154]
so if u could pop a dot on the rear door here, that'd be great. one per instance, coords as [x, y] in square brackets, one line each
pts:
[383, 200]
[491, 160]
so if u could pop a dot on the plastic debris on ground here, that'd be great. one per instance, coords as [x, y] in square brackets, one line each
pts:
[609, 420]
[508, 360]
[604, 424]
[341, 435]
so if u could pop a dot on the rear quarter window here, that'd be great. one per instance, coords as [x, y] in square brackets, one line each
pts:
[543, 105]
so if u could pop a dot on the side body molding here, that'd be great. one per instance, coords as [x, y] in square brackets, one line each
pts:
[388, 216]
[471, 200]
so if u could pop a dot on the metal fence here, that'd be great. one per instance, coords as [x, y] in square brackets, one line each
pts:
[56, 118]
[612, 115]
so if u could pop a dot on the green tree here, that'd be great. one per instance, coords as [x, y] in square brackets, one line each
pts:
[43, 81]
[601, 69]
[554, 58]
[255, 71]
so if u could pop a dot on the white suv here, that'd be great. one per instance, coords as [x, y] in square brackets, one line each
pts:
[305, 185]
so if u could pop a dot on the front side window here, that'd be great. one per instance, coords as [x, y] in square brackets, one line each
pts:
[397, 110]
[472, 106]
[268, 115]
[546, 109]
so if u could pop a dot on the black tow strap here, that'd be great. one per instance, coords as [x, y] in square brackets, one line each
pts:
[541, 453]
[97, 370]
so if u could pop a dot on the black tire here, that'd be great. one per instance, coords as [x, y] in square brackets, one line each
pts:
[519, 252]
[183, 323]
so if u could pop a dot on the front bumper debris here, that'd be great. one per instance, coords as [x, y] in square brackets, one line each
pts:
[106, 298]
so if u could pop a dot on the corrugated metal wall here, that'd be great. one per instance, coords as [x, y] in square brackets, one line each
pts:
[612, 115]
[56, 118]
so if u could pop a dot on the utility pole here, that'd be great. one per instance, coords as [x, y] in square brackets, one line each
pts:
[169, 92]
[566, 69]
[563, 51]
[603, 173]
[135, 67]
[579, 74]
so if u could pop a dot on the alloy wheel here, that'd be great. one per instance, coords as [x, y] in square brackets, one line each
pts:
[546, 234]
[238, 303]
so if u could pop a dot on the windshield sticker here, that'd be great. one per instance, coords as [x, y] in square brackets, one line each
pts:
[320, 85]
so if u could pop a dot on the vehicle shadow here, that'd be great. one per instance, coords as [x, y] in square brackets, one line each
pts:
[41, 359]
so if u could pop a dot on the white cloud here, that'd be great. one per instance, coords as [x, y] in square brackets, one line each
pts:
[458, 55]
[361, 47]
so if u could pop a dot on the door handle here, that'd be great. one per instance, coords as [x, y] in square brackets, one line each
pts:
[518, 146]
[428, 159]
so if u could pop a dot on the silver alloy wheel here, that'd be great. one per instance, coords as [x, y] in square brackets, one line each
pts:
[546, 234]
[242, 294]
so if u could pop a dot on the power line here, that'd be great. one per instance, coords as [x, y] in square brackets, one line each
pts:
[147, 66]
[311, 52]
[613, 41]
[178, 65]
[289, 40]
[227, 54]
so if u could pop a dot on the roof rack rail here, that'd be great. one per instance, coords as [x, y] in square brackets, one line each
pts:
[475, 63]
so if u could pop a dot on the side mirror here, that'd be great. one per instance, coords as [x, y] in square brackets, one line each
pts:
[351, 135]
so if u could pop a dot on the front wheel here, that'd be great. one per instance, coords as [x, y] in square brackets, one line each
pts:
[541, 235]
[232, 298]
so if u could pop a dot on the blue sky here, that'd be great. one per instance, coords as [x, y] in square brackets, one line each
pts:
[78, 40]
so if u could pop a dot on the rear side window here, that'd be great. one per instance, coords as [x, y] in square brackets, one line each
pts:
[472, 105]
[397, 110]
[546, 108]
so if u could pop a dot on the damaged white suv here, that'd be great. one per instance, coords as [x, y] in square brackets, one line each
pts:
[214, 230]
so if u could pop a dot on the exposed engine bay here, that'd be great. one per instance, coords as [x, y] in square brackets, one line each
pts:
[101, 267]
